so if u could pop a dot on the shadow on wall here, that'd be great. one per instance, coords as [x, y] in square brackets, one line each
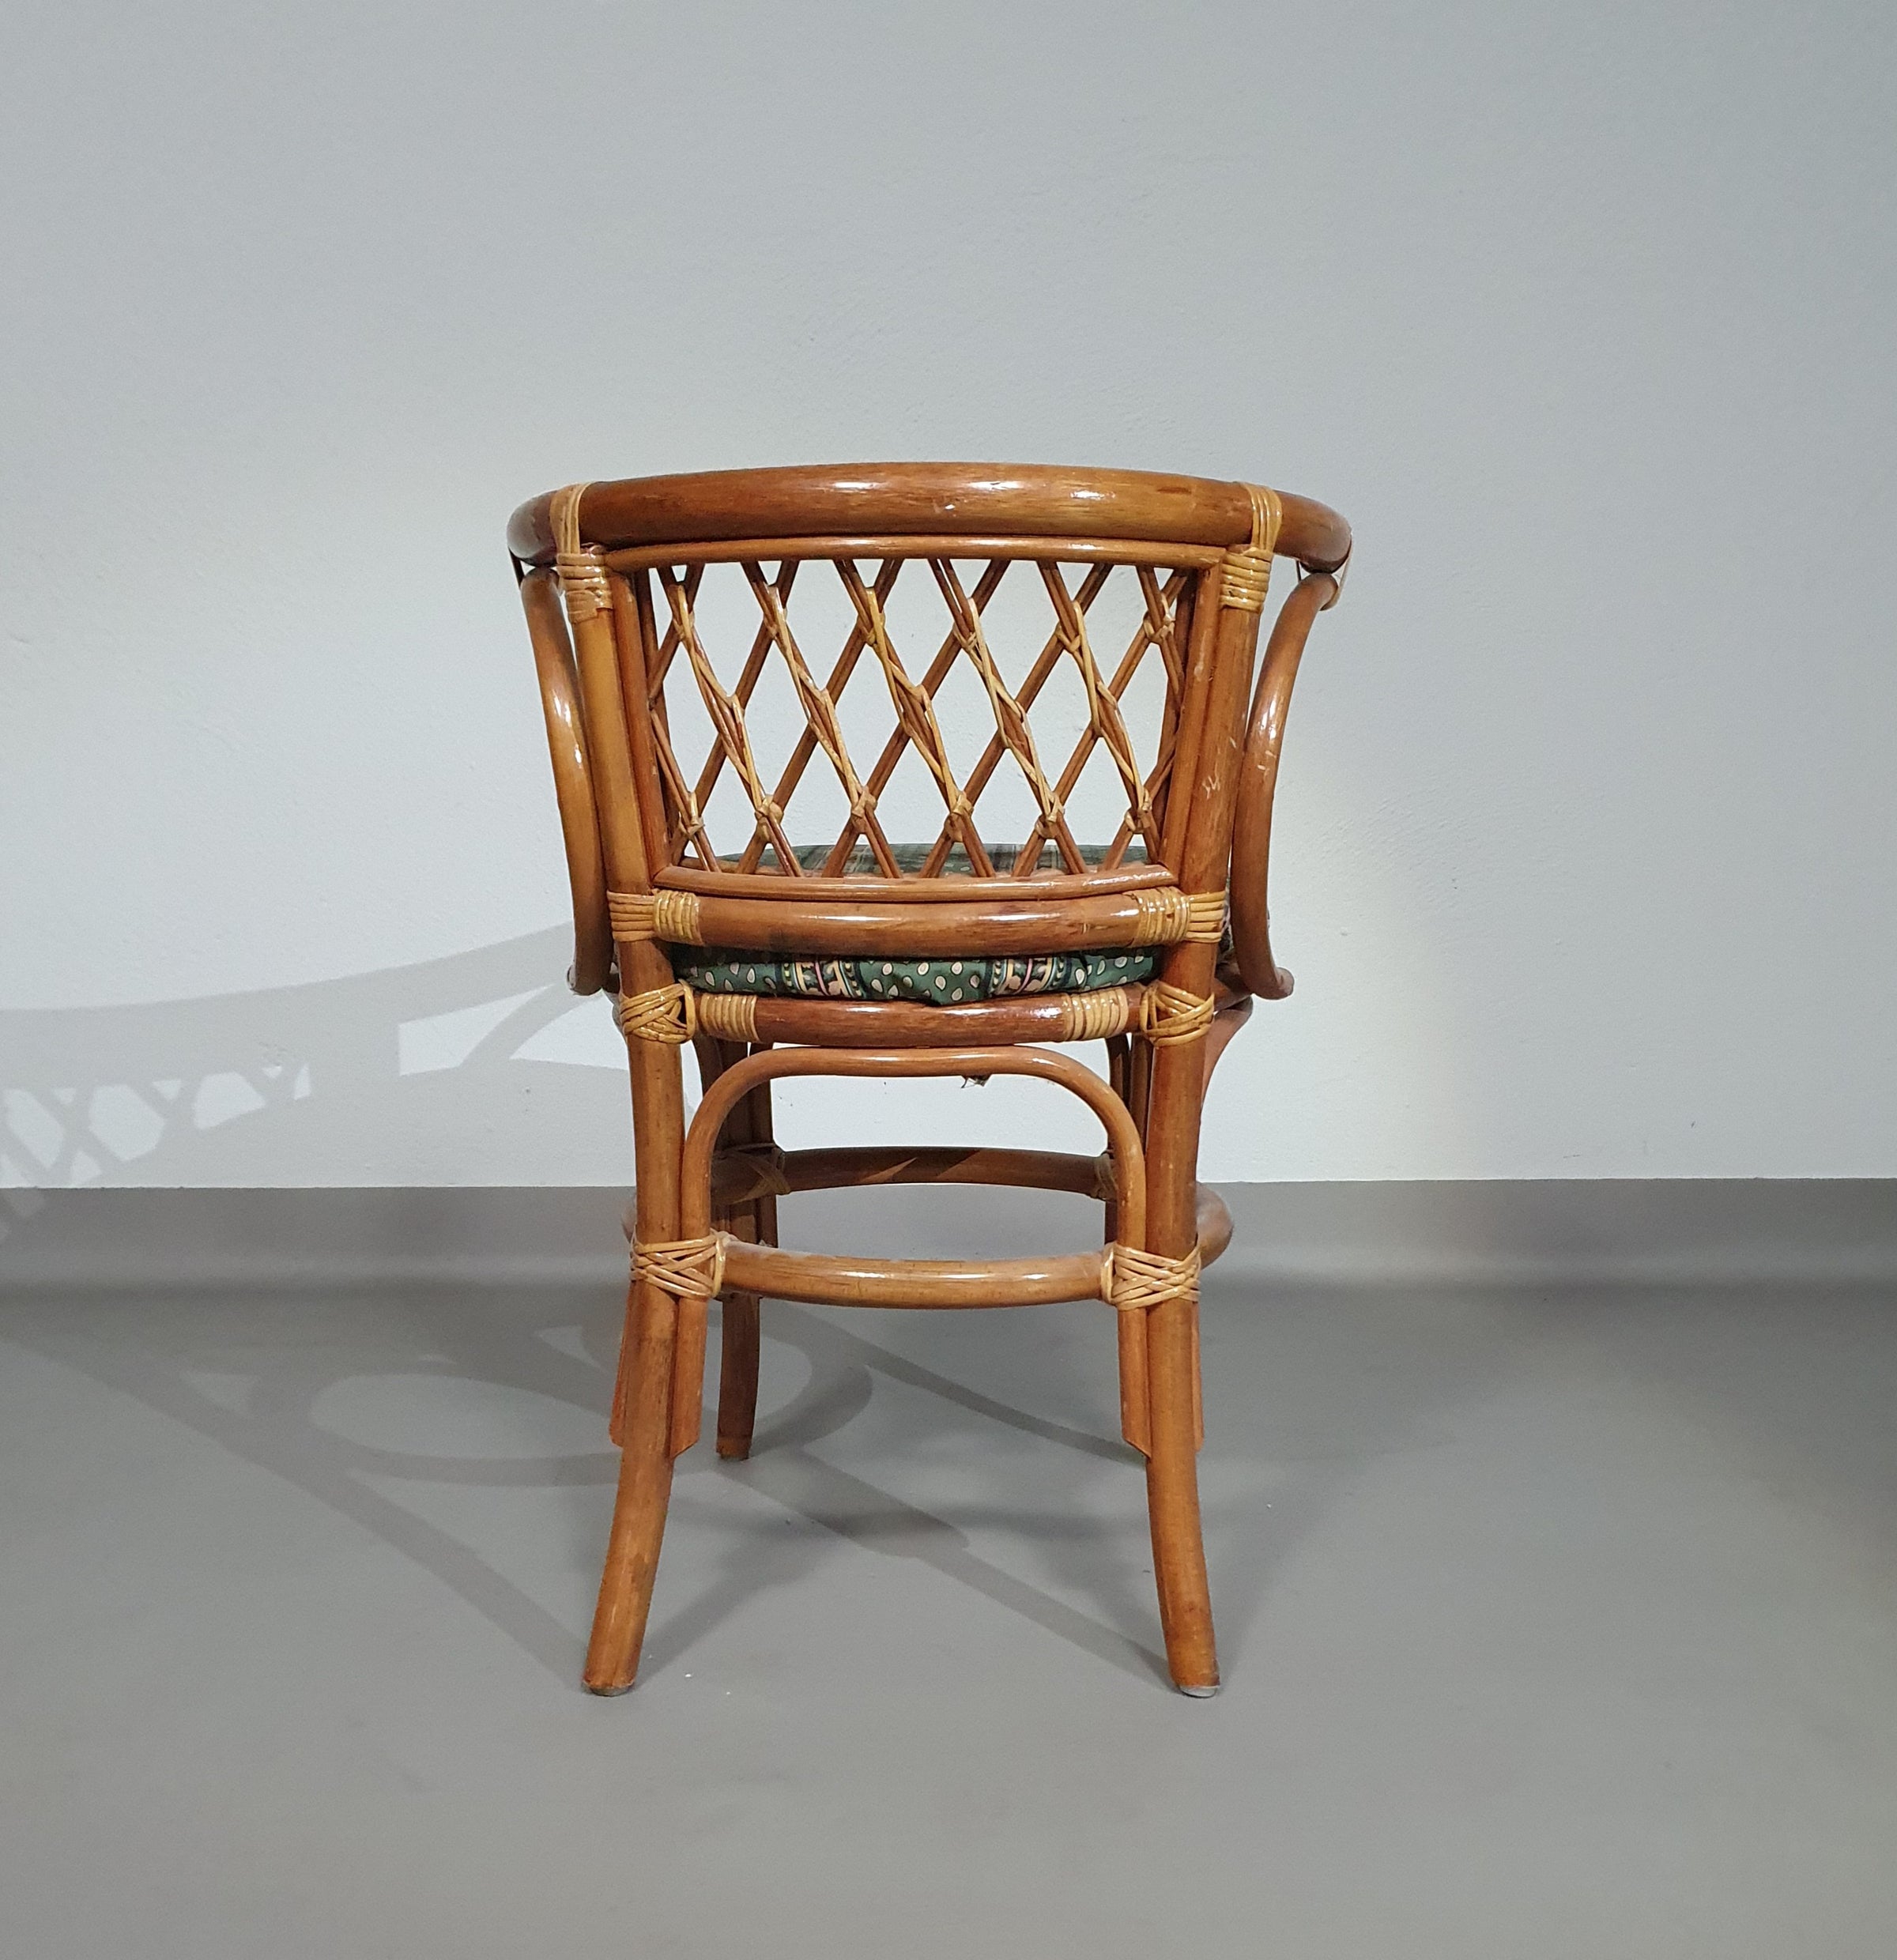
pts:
[413, 1075]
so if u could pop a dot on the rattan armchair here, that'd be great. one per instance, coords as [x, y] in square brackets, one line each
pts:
[727, 910]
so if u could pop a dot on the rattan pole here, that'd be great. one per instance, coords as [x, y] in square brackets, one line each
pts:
[643, 1393]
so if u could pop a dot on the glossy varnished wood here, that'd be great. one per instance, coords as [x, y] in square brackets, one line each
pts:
[855, 893]
[1251, 831]
[1113, 550]
[926, 500]
[750, 1214]
[634, 559]
[592, 967]
[790, 923]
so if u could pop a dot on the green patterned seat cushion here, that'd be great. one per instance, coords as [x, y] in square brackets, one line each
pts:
[941, 982]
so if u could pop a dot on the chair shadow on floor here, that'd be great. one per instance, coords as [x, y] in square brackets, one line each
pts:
[104, 1095]
[247, 1370]
[224, 1366]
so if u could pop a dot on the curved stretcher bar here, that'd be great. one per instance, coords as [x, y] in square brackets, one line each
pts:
[842, 1280]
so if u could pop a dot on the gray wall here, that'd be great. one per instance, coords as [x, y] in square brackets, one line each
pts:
[1582, 316]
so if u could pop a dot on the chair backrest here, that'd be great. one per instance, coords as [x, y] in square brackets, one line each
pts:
[877, 684]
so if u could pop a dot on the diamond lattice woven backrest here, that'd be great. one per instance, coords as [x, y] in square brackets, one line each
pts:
[899, 673]
[910, 716]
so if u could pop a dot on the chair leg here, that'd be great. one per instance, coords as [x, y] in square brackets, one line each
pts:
[643, 1398]
[1174, 1419]
[749, 1123]
[1124, 1056]
[645, 1490]
[1172, 1502]
[737, 1377]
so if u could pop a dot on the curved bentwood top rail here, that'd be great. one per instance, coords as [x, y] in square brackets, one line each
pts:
[869, 502]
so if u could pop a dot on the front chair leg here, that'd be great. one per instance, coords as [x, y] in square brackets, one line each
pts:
[1172, 1497]
[1175, 1076]
[645, 1490]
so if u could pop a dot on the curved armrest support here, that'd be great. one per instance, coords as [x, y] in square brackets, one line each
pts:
[1258, 779]
[592, 967]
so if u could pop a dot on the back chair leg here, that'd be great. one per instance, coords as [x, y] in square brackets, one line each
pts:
[1126, 1067]
[645, 1490]
[750, 1123]
[1136, 1388]
[737, 1373]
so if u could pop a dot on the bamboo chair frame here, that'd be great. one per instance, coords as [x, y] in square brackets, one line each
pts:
[610, 575]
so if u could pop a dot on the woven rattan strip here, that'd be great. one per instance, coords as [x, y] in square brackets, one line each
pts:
[1105, 723]
[583, 577]
[727, 716]
[1246, 574]
[914, 714]
[1157, 630]
[672, 916]
[820, 719]
[1044, 664]
[758, 1168]
[686, 815]
[1136, 1282]
[1095, 1017]
[689, 1269]
[1011, 727]
[730, 1016]
[1169, 1014]
[1167, 915]
[664, 1014]
[1206, 918]
[912, 693]
[862, 799]
[1163, 916]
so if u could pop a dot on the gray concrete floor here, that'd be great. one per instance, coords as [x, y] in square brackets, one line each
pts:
[1553, 1623]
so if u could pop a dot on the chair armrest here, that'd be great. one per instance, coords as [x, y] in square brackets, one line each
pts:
[1258, 779]
[592, 967]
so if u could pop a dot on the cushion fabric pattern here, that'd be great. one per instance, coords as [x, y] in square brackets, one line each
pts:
[949, 982]
[939, 983]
